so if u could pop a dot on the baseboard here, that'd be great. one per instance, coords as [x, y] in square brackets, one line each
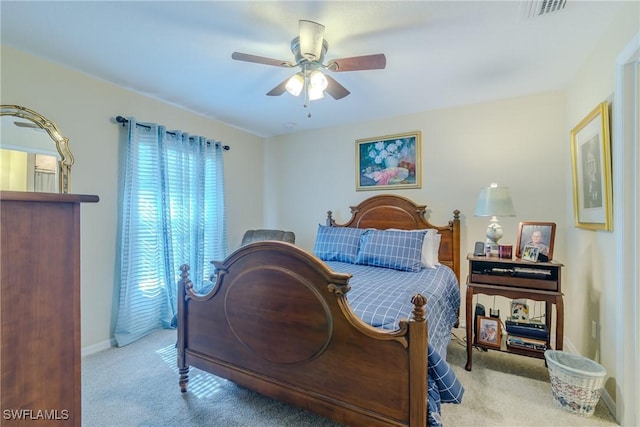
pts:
[86, 351]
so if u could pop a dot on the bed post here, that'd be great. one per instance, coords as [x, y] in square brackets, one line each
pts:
[418, 363]
[455, 227]
[183, 284]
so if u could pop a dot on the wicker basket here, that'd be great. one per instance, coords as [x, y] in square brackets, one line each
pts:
[576, 382]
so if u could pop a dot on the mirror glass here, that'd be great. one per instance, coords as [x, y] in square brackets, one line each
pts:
[34, 155]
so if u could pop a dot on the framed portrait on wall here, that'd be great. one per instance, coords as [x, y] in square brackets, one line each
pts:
[591, 166]
[389, 162]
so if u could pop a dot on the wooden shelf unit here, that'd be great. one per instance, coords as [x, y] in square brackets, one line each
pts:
[515, 279]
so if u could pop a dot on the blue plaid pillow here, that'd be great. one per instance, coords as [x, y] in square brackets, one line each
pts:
[392, 249]
[337, 243]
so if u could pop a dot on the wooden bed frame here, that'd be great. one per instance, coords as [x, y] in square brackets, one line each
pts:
[278, 322]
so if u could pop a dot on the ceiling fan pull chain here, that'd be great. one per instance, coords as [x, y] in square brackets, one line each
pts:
[305, 88]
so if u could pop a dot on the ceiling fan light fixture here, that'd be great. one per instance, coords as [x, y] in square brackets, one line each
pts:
[317, 80]
[295, 84]
[315, 93]
[311, 38]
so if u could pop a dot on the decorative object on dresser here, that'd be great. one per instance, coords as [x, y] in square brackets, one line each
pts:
[538, 235]
[494, 201]
[25, 119]
[40, 307]
[389, 162]
[505, 251]
[31, 119]
[591, 166]
[518, 280]
[280, 320]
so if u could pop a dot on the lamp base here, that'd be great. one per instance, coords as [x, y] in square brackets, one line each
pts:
[494, 233]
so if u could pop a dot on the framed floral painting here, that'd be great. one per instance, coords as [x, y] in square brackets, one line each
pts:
[388, 162]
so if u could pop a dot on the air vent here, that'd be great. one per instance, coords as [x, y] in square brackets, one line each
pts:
[537, 8]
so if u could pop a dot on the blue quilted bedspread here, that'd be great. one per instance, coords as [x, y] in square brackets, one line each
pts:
[381, 297]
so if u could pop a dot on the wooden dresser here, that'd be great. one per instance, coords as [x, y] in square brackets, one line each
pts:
[40, 308]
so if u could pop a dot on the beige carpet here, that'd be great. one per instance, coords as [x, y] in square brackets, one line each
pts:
[138, 386]
[509, 390]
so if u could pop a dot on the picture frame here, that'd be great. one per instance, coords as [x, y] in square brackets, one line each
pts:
[591, 166]
[489, 332]
[519, 310]
[530, 253]
[389, 162]
[538, 234]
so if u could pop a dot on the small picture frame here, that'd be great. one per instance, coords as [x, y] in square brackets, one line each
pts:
[538, 234]
[489, 333]
[519, 310]
[530, 253]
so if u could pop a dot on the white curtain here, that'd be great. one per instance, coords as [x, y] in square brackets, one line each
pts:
[172, 213]
[45, 181]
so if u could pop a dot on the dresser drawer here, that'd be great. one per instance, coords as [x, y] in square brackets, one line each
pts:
[516, 282]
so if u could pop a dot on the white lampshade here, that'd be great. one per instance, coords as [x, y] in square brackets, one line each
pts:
[494, 201]
[295, 84]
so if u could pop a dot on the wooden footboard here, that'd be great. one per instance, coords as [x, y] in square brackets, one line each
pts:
[277, 321]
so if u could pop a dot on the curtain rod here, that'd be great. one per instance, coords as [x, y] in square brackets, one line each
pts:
[124, 121]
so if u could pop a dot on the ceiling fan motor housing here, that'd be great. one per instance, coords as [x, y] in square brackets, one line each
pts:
[302, 57]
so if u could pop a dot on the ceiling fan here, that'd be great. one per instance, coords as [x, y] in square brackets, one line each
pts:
[309, 49]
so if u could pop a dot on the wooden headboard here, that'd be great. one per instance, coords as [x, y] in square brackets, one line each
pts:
[390, 211]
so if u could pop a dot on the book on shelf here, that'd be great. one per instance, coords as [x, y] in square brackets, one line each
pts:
[528, 329]
[526, 343]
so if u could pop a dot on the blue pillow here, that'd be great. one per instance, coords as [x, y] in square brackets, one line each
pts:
[392, 249]
[337, 243]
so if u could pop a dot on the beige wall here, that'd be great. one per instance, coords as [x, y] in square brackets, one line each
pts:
[591, 265]
[83, 108]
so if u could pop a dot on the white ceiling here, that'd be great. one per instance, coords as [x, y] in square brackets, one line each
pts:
[439, 53]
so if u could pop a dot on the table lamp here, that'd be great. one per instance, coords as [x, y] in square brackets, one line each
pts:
[494, 201]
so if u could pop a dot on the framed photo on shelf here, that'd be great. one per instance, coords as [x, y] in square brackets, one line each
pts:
[530, 253]
[591, 166]
[538, 234]
[389, 162]
[489, 333]
[519, 310]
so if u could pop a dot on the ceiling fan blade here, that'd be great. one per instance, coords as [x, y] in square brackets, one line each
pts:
[26, 125]
[280, 89]
[261, 60]
[356, 63]
[335, 89]
[311, 38]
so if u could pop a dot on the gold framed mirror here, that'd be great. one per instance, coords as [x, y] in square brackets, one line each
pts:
[14, 144]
